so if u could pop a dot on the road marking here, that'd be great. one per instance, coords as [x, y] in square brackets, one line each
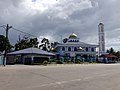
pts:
[74, 80]
[61, 82]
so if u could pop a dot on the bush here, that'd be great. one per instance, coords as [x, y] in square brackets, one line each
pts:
[59, 62]
[77, 61]
[46, 62]
[54, 60]
[69, 61]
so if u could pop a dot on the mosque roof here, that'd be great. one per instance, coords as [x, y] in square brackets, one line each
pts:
[77, 44]
[73, 35]
[73, 40]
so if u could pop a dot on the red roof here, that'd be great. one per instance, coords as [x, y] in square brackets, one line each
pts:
[109, 56]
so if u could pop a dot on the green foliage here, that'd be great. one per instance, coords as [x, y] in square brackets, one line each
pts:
[54, 60]
[65, 40]
[46, 62]
[33, 42]
[112, 51]
[69, 61]
[26, 43]
[45, 44]
[52, 48]
[4, 43]
[59, 62]
[90, 61]
[77, 61]
[118, 55]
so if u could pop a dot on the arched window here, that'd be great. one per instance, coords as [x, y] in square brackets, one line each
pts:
[103, 47]
[102, 28]
[75, 48]
[92, 49]
[69, 49]
[86, 49]
[63, 48]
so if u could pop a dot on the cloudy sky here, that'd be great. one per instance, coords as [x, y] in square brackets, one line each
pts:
[53, 18]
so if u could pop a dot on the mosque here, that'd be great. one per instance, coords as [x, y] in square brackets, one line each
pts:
[74, 49]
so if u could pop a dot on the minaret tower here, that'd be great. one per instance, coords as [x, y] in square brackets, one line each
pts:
[101, 39]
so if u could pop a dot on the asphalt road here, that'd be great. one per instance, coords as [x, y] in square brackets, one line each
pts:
[61, 77]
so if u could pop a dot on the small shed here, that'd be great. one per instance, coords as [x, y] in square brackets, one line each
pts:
[108, 58]
[28, 56]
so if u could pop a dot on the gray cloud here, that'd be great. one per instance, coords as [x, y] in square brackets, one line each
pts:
[62, 17]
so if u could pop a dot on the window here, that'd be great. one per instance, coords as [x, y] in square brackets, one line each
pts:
[69, 49]
[63, 48]
[75, 48]
[102, 28]
[102, 38]
[92, 49]
[103, 47]
[86, 49]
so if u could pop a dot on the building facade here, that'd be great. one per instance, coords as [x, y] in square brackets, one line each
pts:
[74, 49]
[29, 56]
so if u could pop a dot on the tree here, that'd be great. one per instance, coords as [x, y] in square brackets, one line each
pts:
[4, 43]
[65, 40]
[33, 42]
[53, 45]
[45, 44]
[26, 42]
[118, 55]
[108, 51]
[112, 51]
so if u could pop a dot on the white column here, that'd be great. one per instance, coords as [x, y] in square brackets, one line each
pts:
[66, 48]
[49, 58]
[32, 59]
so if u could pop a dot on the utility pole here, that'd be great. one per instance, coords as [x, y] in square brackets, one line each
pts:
[6, 47]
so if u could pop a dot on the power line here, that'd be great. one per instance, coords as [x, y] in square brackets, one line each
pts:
[7, 27]
[25, 32]
[4, 26]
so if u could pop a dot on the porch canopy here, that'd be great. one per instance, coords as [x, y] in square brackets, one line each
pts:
[108, 56]
[31, 51]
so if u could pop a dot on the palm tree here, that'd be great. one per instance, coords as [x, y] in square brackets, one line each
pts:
[26, 43]
[33, 42]
[45, 44]
[65, 40]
